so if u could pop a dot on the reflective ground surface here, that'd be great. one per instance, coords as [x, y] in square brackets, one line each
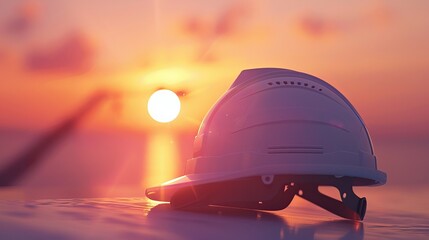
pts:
[138, 218]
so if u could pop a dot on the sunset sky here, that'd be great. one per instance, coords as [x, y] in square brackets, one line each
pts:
[54, 54]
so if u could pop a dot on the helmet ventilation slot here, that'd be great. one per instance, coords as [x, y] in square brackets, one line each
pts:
[295, 149]
[294, 83]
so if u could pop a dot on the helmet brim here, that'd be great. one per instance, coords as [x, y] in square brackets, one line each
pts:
[361, 176]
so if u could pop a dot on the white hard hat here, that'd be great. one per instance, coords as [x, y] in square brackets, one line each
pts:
[274, 134]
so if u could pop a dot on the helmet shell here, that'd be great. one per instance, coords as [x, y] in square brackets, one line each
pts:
[279, 122]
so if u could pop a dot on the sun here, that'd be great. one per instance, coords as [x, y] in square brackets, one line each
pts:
[163, 106]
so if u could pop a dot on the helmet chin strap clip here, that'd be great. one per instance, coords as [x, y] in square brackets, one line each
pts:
[351, 206]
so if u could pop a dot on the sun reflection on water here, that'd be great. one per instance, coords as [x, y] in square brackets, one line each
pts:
[162, 159]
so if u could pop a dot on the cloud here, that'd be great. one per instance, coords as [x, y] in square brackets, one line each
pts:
[3, 55]
[380, 14]
[197, 27]
[74, 54]
[231, 20]
[228, 23]
[23, 20]
[317, 26]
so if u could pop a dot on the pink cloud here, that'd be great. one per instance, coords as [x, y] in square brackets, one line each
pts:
[23, 20]
[228, 23]
[318, 26]
[380, 14]
[2, 55]
[231, 20]
[74, 54]
[196, 27]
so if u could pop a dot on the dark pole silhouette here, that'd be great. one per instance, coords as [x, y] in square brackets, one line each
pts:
[33, 156]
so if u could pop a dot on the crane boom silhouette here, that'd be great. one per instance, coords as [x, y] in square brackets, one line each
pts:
[33, 156]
